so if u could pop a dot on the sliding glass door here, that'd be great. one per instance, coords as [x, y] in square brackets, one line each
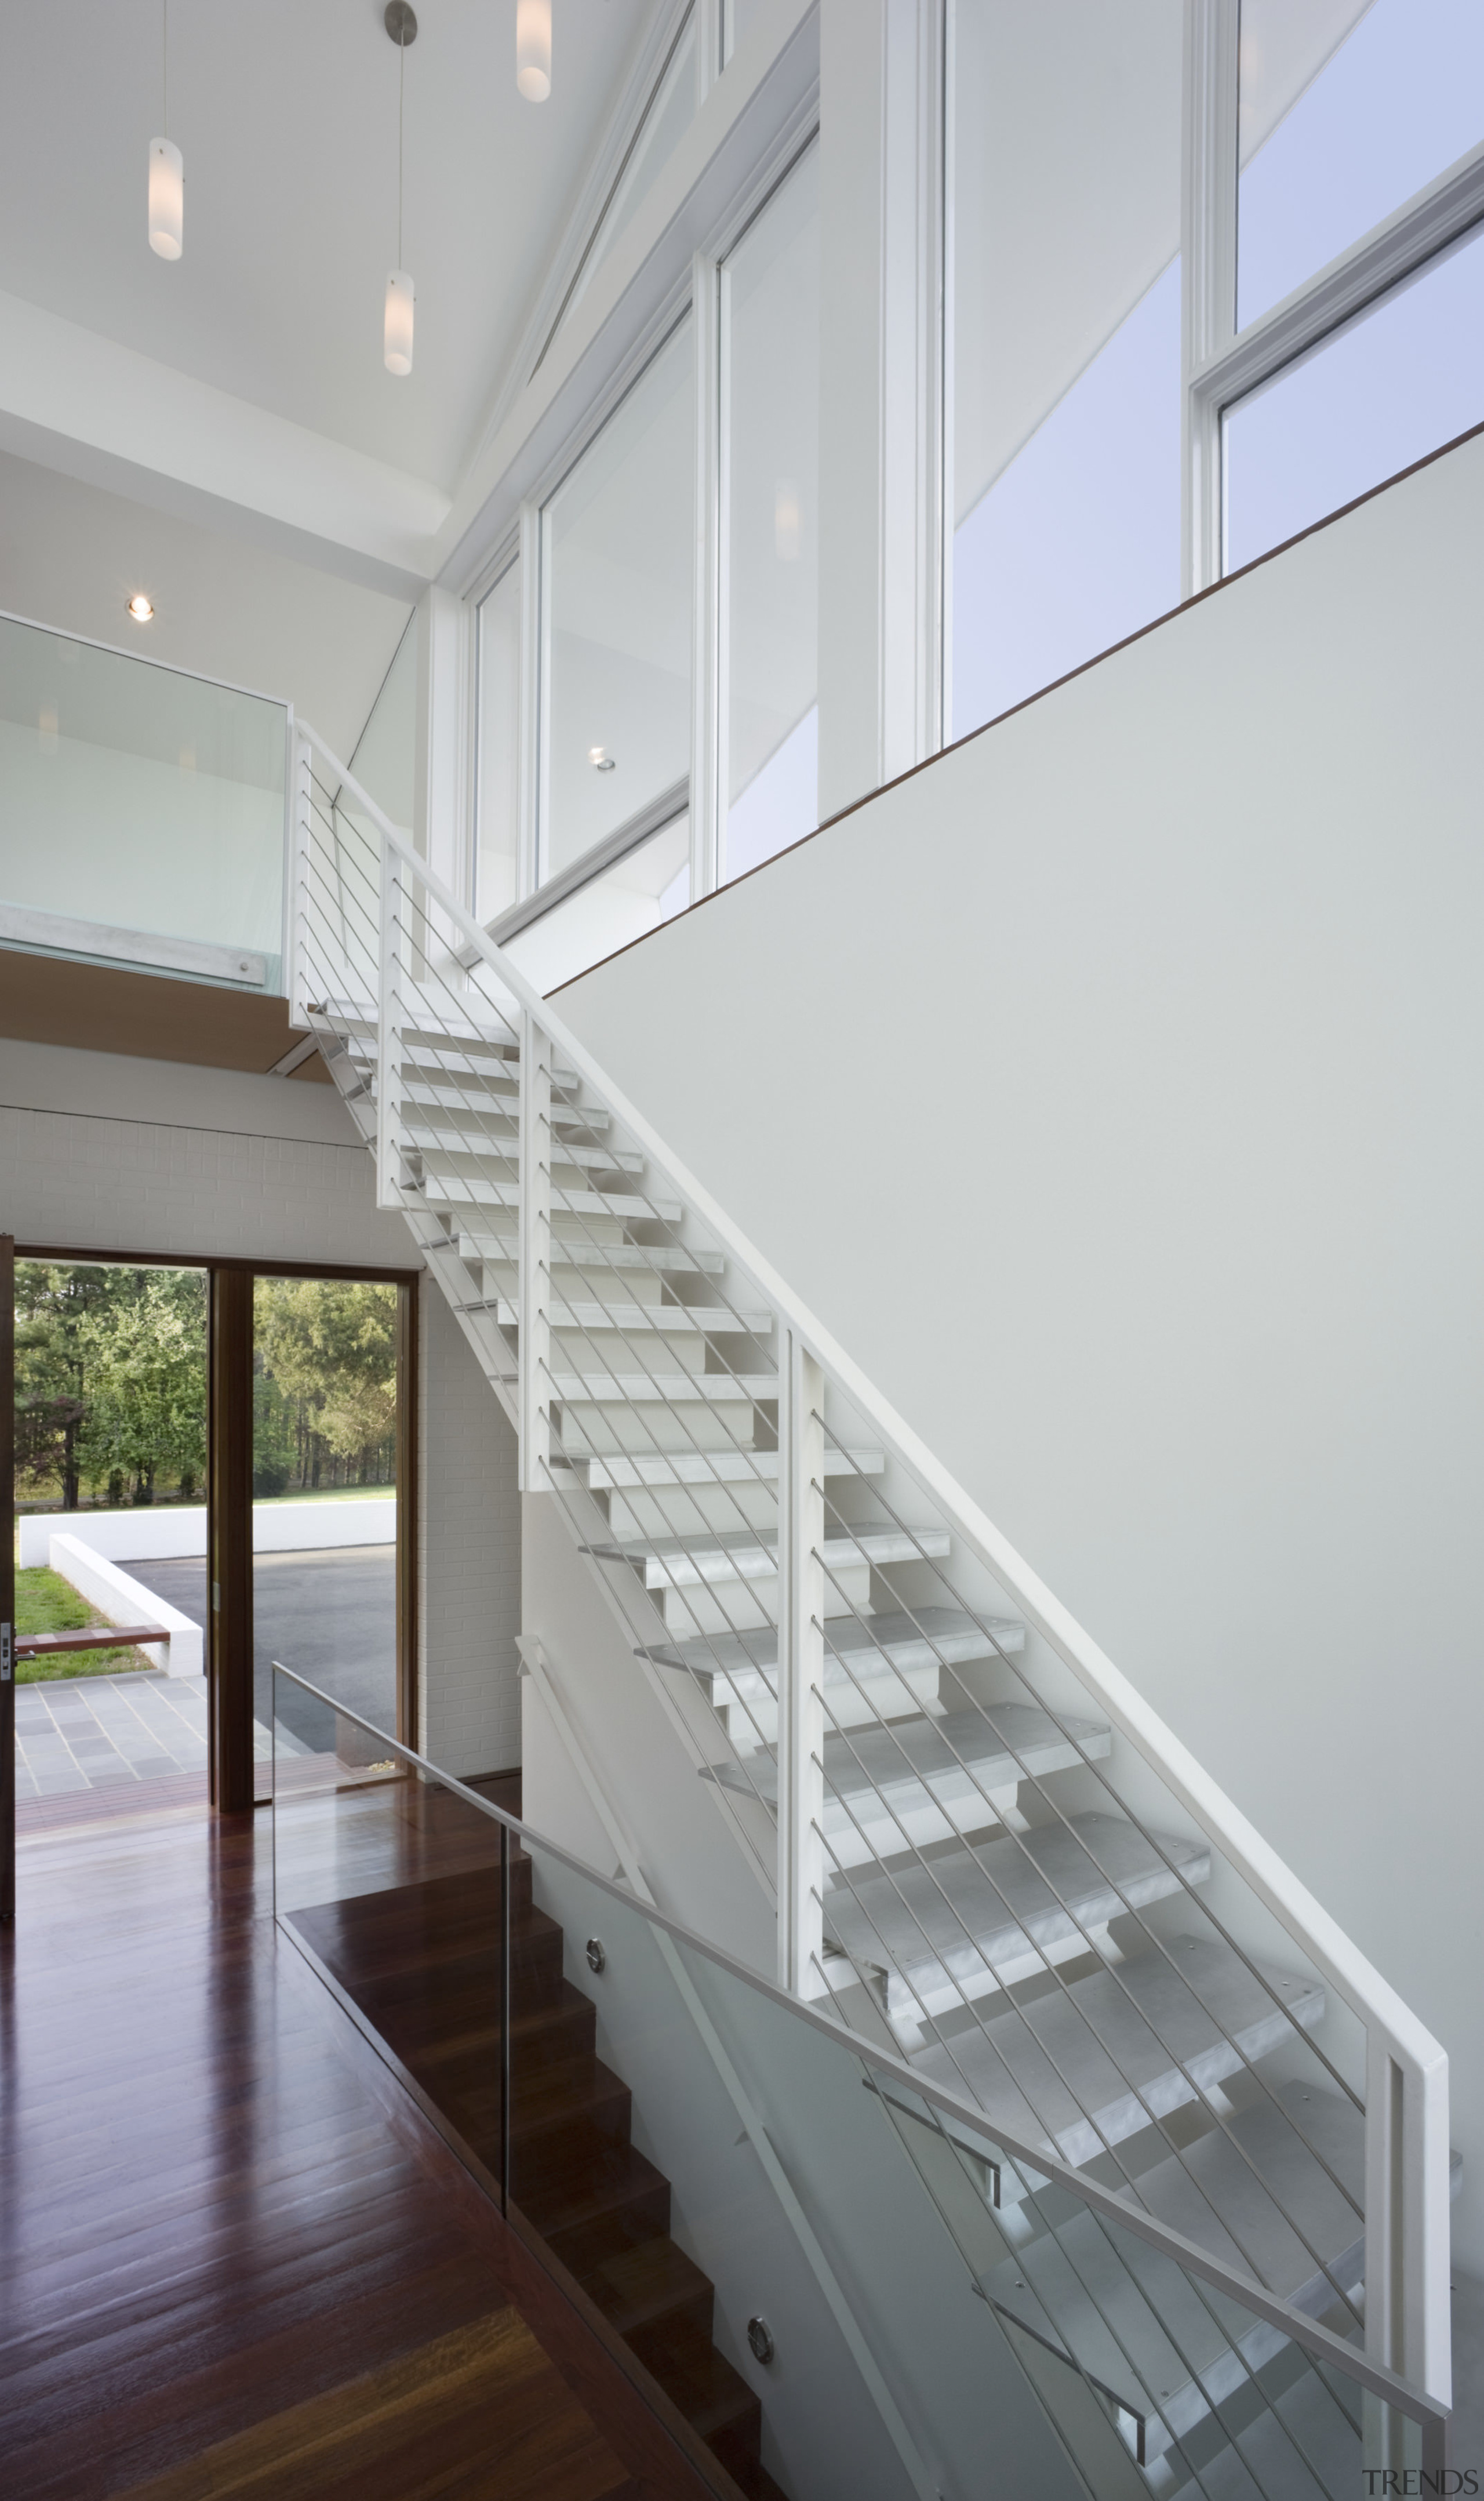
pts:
[326, 1494]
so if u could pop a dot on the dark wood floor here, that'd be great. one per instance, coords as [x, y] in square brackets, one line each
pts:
[233, 2255]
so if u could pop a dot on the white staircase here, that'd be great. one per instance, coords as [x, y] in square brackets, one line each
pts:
[988, 1856]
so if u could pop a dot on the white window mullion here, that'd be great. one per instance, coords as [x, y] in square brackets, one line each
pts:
[707, 753]
[1208, 269]
[534, 679]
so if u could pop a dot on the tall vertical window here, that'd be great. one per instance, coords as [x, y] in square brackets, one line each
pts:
[771, 361]
[1065, 137]
[1346, 111]
[663, 124]
[618, 559]
[498, 837]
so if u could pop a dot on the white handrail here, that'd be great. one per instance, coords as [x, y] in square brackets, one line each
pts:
[1410, 2333]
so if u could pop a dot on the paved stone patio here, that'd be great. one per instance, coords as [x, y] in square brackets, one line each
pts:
[86, 1732]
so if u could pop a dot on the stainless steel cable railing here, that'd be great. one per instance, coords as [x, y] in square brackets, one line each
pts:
[830, 1639]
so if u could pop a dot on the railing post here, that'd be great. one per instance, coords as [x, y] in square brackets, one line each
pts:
[389, 1018]
[535, 1382]
[1408, 2234]
[296, 881]
[801, 1670]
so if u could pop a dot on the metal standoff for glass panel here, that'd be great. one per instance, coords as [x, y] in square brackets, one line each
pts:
[597, 1960]
[760, 2338]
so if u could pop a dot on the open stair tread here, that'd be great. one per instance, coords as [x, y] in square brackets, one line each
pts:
[949, 1761]
[482, 1191]
[956, 1923]
[644, 1389]
[1167, 2345]
[664, 1257]
[1080, 2070]
[856, 1647]
[620, 1473]
[665, 1319]
[681, 1562]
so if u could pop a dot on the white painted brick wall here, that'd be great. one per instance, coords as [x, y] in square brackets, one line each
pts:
[99, 1153]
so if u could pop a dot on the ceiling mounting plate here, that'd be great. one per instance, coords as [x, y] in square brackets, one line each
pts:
[401, 23]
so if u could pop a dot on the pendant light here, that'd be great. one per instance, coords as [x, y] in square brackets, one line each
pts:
[400, 24]
[167, 170]
[533, 50]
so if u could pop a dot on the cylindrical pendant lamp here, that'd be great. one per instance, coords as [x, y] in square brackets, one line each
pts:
[401, 304]
[167, 199]
[533, 50]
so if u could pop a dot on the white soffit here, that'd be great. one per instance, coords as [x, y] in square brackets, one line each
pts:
[72, 555]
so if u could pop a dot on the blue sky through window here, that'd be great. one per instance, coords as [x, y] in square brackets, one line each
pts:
[1077, 542]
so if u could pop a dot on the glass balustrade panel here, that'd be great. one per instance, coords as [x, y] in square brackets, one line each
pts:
[732, 2182]
[139, 803]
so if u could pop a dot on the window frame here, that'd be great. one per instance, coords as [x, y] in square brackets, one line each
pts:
[1223, 365]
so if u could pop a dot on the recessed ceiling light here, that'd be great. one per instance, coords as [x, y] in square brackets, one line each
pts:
[140, 608]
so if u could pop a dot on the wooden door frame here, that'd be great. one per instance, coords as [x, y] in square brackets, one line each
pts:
[8, 1581]
[229, 1642]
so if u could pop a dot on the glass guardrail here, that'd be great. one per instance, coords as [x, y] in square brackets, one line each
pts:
[834, 2277]
[141, 812]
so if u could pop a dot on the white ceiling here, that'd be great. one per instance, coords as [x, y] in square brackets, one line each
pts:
[72, 555]
[287, 113]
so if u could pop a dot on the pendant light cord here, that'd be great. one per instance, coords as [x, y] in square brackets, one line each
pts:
[165, 70]
[401, 89]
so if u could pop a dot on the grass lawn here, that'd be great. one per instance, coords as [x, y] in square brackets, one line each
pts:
[46, 1603]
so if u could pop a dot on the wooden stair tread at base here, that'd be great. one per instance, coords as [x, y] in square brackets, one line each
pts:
[711, 2394]
[654, 2281]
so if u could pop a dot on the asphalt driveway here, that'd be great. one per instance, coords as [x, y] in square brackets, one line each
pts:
[330, 1615]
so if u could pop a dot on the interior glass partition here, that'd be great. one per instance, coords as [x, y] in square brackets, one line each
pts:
[141, 812]
[770, 432]
[743, 2187]
[1066, 488]
[619, 560]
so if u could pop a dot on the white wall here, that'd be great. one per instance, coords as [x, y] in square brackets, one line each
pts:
[101, 1152]
[179, 1529]
[1112, 1090]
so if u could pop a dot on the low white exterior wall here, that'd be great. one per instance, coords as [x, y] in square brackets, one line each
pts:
[125, 1601]
[151, 1535]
